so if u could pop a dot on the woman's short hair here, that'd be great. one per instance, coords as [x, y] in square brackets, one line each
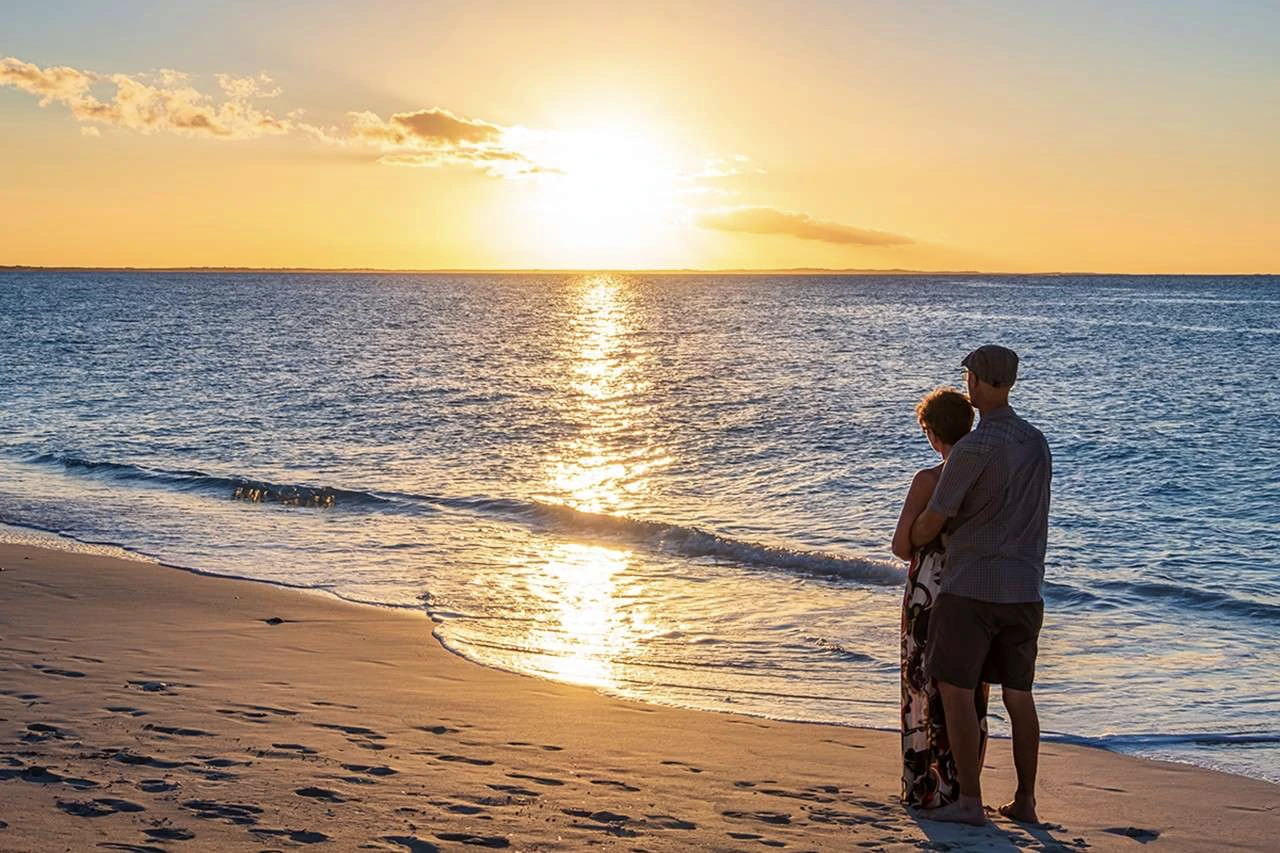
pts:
[947, 413]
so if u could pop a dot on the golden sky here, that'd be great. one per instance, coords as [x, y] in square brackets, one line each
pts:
[1133, 137]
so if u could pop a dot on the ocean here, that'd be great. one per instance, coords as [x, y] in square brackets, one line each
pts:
[677, 488]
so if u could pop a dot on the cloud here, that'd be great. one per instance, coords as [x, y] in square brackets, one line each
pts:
[495, 162]
[768, 220]
[166, 101]
[56, 84]
[245, 88]
[161, 102]
[436, 137]
[433, 128]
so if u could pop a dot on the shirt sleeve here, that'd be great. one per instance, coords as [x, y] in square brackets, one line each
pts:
[958, 476]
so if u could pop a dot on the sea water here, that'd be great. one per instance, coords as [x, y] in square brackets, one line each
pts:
[679, 489]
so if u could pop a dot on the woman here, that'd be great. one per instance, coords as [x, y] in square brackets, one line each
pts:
[929, 771]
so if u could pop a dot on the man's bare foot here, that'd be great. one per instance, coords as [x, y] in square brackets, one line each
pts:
[1021, 809]
[964, 810]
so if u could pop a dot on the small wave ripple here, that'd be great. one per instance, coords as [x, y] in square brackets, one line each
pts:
[675, 539]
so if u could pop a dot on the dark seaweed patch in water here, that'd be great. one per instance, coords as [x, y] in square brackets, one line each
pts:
[286, 495]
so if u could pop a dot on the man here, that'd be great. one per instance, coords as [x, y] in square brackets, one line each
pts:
[993, 497]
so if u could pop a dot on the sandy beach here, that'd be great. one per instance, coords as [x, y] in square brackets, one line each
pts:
[146, 708]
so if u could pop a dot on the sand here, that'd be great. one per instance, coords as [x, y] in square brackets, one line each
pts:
[145, 708]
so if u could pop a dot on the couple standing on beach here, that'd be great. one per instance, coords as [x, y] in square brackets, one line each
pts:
[974, 528]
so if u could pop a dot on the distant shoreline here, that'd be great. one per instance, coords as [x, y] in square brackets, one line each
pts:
[815, 271]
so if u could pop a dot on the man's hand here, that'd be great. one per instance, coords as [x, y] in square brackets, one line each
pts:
[927, 525]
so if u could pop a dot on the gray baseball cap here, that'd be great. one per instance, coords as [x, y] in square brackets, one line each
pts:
[993, 364]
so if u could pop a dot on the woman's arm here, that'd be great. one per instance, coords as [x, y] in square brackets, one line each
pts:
[922, 485]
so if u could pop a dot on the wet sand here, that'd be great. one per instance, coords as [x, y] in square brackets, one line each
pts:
[144, 708]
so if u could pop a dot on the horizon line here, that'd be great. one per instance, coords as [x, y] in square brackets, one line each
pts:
[599, 270]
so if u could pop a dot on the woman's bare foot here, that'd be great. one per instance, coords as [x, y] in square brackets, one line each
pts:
[1021, 809]
[964, 810]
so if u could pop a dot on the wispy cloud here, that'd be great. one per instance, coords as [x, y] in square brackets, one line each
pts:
[433, 127]
[437, 137]
[768, 220]
[164, 101]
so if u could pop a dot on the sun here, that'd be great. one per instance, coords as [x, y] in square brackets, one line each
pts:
[605, 197]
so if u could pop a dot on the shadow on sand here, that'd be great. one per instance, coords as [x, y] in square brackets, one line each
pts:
[998, 834]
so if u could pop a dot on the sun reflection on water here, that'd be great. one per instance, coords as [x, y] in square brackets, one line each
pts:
[603, 468]
[587, 632]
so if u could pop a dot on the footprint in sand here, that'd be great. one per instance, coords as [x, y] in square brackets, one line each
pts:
[614, 783]
[156, 686]
[41, 732]
[131, 759]
[259, 717]
[379, 770]
[323, 704]
[665, 821]
[241, 814]
[1142, 836]
[767, 817]
[301, 836]
[177, 731]
[494, 841]
[544, 747]
[44, 776]
[98, 808]
[125, 709]
[515, 790]
[688, 767]
[320, 794]
[170, 833]
[537, 780]
[478, 762]
[295, 747]
[796, 795]
[50, 670]
[412, 843]
[214, 761]
[610, 823]
[462, 808]
[351, 730]
[157, 786]
[598, 817]
[760, 839]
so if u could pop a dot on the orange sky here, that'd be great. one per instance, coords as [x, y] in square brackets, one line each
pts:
[990, 136]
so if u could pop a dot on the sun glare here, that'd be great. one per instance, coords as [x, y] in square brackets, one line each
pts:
[604, 197]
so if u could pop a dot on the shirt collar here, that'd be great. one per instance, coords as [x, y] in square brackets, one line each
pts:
[1005, 411]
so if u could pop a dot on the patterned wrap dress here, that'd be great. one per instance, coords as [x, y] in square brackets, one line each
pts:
[928, 769]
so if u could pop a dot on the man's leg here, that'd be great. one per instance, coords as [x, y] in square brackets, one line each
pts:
[959, 640]
[1025, 723]
[965, 738]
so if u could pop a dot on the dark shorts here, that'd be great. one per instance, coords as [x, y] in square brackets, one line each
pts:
[973, 641]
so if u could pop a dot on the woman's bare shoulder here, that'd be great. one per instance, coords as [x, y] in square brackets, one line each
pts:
[928, 476]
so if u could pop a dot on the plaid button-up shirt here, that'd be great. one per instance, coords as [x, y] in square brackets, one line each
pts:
[994, 491]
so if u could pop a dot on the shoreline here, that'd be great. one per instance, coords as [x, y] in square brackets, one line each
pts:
[139, 704]
[52, 540]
